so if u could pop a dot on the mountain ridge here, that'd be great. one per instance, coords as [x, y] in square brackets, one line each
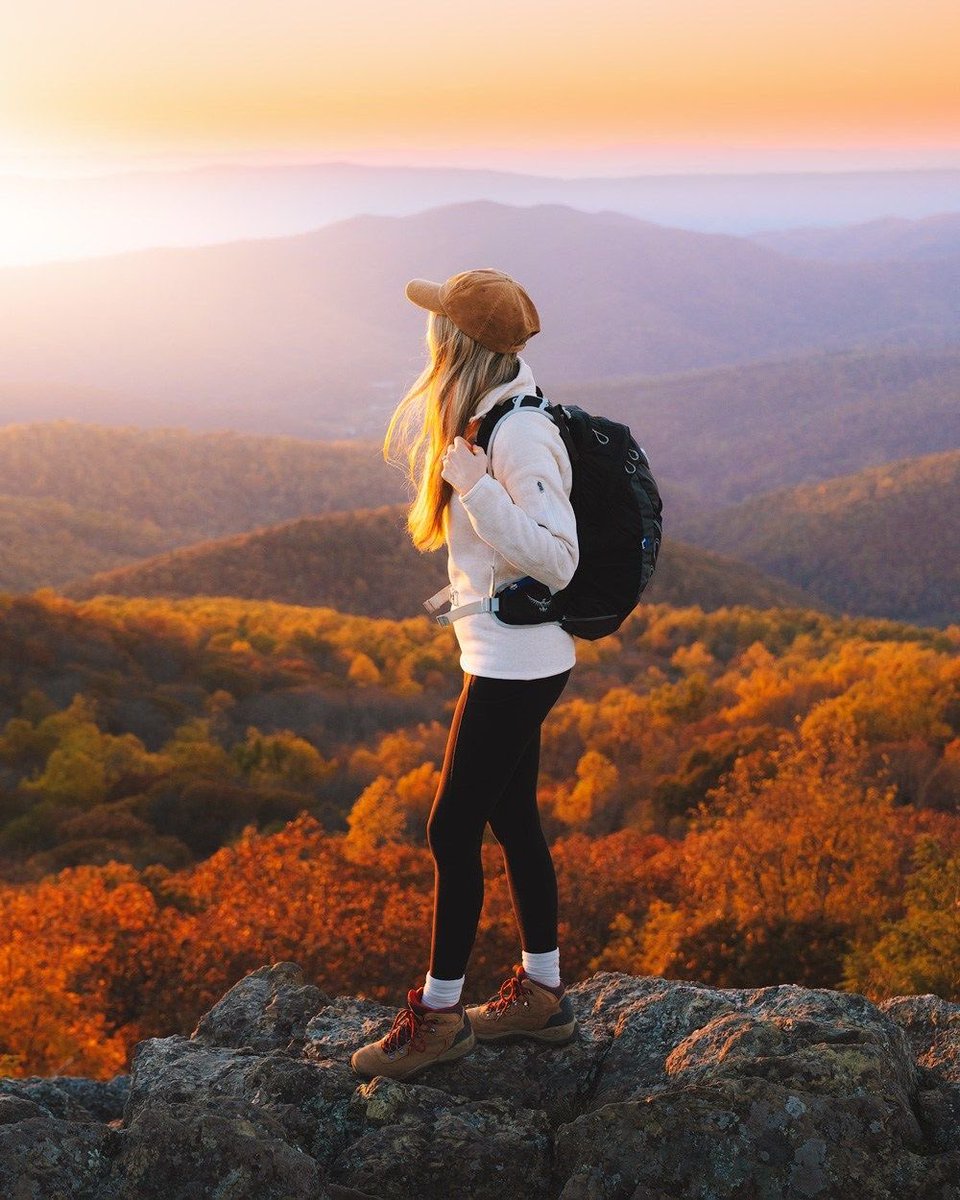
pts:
[207, 203]
[319, 318]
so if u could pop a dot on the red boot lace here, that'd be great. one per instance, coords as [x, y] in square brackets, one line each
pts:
[406, 1027]
[511, 992]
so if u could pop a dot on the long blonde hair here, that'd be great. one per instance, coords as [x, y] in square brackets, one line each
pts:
[435, 410]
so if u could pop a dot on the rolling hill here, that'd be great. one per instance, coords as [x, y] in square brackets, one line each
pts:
[716, 436]
[364, 563]
[78, 498]
[47, 541]
[84, 500]
[884, 542]
[730, 432]
[310, 334]
[208, 483]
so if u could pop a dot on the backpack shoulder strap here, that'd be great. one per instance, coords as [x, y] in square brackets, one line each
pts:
[492, 419]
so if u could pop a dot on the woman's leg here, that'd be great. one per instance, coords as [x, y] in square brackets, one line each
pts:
[493, 724]
[515, 821]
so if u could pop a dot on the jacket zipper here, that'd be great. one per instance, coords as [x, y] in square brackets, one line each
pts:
[549, 506]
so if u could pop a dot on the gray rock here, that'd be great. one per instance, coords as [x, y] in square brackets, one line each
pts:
[672, 1090]
[306, 1103]
[267, 1010]
[70, 1097]
[19, 1108]
[781, 1092]
[554, 1079]
[421, 1141]
[230, 1151]
[44, 1158]
[933, 1027]
[751, 1138]
[51, 1097]
[226, 1150]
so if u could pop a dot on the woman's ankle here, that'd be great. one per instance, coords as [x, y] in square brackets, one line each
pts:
[543, 967]
[442, 993]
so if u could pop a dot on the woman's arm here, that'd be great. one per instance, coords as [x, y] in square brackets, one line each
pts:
[524, 512]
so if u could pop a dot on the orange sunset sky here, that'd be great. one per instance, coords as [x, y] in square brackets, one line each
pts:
[621, 85]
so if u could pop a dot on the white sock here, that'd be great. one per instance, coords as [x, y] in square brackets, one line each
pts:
[442, 993]
[544, 968]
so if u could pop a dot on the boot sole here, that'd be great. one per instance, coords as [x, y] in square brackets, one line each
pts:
[456, 1052]
[559, 1035]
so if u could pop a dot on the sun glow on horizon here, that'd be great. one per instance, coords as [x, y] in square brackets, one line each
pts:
[115, 89]
[440, 82]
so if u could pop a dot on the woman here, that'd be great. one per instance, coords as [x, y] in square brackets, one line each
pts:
[500, 524]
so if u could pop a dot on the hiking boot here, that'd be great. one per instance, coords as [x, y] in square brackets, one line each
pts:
[420, 1037]
[525, 1008]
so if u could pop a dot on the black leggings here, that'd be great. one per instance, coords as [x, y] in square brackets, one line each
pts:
[489, 773]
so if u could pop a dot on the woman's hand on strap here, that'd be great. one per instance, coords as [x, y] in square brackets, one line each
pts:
[463, 465]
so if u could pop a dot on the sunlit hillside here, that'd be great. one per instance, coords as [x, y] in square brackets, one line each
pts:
[162, 675]
[364, 562]
[885, 541]
[77, 498]
[48, 541]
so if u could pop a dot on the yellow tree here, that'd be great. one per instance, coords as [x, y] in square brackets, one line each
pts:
[390, 811]
[591, 804]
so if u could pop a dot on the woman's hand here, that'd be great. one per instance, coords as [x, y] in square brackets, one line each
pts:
[463, 465]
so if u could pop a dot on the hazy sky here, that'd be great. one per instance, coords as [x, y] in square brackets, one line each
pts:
[615, 86]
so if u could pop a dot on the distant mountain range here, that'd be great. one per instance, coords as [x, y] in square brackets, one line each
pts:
[311, 334]
[886, 239]
[364, 562]
[136, 209]
[883, 542]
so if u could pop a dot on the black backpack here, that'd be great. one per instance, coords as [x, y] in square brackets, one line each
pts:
[619, 526]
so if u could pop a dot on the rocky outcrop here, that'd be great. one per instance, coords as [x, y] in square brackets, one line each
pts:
[672, 1090]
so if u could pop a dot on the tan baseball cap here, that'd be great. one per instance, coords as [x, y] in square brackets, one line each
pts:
[485, 304]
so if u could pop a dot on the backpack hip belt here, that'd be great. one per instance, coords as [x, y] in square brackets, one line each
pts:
[446, 594]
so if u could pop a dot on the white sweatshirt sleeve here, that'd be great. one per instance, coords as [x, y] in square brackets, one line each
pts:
[524, 512]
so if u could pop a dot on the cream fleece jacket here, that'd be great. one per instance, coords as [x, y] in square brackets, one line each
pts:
[516, 520]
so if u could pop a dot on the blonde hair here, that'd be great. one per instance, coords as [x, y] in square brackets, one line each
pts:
[435, 410]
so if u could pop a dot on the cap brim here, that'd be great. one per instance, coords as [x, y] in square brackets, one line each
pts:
[425, 294]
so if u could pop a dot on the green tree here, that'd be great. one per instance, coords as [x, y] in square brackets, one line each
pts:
[920, 952]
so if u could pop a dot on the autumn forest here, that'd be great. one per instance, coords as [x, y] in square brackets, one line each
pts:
[190, 788]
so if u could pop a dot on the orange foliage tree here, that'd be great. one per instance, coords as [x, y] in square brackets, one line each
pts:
[793, 856]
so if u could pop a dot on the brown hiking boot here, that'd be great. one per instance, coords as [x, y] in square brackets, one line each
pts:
[525, 1008]
[419, 1038]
